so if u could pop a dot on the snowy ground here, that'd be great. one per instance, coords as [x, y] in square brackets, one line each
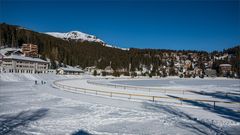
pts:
[26, 108]
[222, 91]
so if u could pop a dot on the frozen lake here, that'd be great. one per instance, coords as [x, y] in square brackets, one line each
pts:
[26, 108]
[180, 82]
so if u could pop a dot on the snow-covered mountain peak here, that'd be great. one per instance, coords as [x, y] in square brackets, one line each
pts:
[75, 35]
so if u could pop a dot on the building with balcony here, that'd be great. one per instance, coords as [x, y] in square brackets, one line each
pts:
[21, 64]
[30, 50]
[225, 69]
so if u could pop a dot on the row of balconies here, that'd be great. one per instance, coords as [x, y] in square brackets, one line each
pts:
[25, 71]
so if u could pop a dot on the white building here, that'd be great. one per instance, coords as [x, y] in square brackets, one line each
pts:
[69, 71]
[21, 64]
[52, 71]
[90, 69]
[109, 69]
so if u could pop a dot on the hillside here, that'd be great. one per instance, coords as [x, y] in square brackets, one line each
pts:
[69, 52]
[91, 52]
[75, 35]
[78, 36]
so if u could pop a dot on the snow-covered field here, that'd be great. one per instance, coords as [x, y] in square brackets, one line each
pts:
[26, 108]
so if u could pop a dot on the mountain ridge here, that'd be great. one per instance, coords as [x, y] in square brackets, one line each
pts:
[75, 35]
[81, 36]
[87, 54]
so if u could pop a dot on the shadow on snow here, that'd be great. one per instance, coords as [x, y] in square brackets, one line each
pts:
[198, 127]
[222, 111]
[9, 122]
[81, 132]
[220, 95]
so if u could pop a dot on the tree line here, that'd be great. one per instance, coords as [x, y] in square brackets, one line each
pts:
[87, 54]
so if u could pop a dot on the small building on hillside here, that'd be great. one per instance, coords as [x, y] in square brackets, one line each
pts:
[225, 69]
[198, 71]
[69, 71]
[210, 73]
[109, 70]
[122, 70]
[90, 69]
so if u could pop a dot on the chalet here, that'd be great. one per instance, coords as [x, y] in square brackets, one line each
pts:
[198, 71]
[69, 71]
[90, 69]
[210, 73]
[188, 63]
[121, 70]
[225, 69]
[108, 69]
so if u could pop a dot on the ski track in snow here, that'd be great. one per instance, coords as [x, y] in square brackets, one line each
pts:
[26, 108]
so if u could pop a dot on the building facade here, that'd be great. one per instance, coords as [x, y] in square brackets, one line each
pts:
[30, 50]
[21, 64]
[69, 71]
[225, 69]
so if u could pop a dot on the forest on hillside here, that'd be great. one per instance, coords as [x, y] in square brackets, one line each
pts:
[87, 54]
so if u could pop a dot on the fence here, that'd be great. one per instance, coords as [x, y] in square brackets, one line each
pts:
[170, 91]
[140, 88]
[163, 99]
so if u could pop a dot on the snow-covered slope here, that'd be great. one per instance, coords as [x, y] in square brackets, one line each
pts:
[75, 35]
[80, 36]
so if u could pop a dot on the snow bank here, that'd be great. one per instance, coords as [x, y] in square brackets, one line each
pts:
[15, 77]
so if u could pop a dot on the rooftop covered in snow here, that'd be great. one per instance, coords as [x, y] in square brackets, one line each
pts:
[70, 69]
[225, 65]
[18, 57]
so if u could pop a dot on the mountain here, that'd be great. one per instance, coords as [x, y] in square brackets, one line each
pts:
[87, 53]
[75, 35]
[81, 37]
[83, 53]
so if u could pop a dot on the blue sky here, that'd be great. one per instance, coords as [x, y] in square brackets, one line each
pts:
[191, 24]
